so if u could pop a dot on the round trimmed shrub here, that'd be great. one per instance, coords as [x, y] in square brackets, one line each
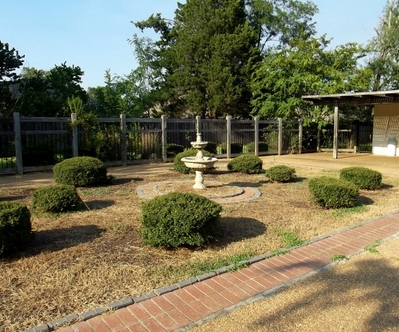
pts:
[246, 164]
[80, 171]
[281, 173]
[173, 149]
[55, 198]
[179, 219]
[15, 226]
[235, 147]
[179, 165]
[333, 193]
[263, 147]
[362, 177]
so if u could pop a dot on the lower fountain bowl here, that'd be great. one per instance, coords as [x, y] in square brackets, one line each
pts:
[196, 163]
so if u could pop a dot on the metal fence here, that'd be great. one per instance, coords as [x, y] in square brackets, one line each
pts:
[35, 143]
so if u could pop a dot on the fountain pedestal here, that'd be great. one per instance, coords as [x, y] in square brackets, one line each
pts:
[199, 163]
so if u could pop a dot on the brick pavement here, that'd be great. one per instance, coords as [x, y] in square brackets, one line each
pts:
[192, 302]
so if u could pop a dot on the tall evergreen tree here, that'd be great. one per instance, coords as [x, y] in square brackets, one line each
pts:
[207, 56]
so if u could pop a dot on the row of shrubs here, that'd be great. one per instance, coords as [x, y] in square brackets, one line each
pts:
[174, 149]
[15, 217]
[174, 219]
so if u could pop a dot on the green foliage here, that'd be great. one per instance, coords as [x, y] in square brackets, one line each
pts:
[333, 193]
[304, 66]
[345, 211]
[235, 147]
[212, 148]
[80, 171]
[174, 149]
[179, 165]
[281, 173]
[46, 93]
[362, 177]
[290, 238]
[372, 248]
[15, 226]
[179, 219]
[338, 258]
[246, 164]
[262, 146]
[55, 198]
[10, 60]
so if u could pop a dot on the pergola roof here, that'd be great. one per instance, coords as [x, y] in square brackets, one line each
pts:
[357, 98]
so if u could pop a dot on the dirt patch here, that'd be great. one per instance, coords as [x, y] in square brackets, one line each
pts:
[85, 259]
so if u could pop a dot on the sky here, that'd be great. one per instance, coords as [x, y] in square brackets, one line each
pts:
[94, 34]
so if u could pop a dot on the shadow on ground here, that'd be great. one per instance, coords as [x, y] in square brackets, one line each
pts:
[371, 282]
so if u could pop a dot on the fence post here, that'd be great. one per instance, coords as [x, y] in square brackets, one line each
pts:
[280, 137]
[18, 143]
[75, 137]
[228, 138]
[164, 138]
[198, 124]
[300, 137]
[256, 136]
[122, 118]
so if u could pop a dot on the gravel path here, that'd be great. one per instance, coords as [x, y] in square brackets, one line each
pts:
[358, 295]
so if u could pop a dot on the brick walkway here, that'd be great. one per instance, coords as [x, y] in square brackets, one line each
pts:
[197, 300]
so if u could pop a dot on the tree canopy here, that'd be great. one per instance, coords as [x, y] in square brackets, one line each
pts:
[10, 60]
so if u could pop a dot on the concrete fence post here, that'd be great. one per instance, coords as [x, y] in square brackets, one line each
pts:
[75, 136]
[256, 128]
[18, 143]
[280, 136]
[228, 138]
[122, 118]
[164, 126]
[300, 138]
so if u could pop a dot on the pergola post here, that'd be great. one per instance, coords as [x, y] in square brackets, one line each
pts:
[336, 126]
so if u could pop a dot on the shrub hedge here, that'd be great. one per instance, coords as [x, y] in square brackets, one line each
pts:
[80, 171]
[55, 198]
[249, 164]
[179, 165]
[263, 147]
[179, 219]
[281, 173]
[333, 193]
[235, 147]
[15, 226]
[362, 177]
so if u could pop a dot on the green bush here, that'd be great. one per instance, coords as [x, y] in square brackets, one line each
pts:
[179, 165]
[362, 177]
[281, 173]
[173, 149]
[263, 147]
[246, 164]
[333, 193]
[55, 198]
[211, 148]
[235, 147]
[15, 226]
[179, 219]
[80, 171]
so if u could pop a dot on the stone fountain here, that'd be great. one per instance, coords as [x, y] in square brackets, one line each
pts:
[199, 163]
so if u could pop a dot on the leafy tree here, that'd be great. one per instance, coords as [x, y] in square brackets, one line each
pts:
[276, 22]
[304, 66]
[46, 93]
[10, 60]
[384, 59]
[206, 55]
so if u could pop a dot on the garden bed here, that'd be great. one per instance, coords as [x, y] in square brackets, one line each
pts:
[85, 259]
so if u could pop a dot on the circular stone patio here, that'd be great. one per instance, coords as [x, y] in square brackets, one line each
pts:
[215, 190]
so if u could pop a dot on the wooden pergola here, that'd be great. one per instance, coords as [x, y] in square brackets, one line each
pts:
[357, 98]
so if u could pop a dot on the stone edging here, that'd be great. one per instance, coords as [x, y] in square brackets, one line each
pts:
[51, 326]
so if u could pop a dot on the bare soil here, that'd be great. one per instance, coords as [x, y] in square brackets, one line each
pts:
[85, 259]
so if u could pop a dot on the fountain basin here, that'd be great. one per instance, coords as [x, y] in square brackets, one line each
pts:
[197, 163]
